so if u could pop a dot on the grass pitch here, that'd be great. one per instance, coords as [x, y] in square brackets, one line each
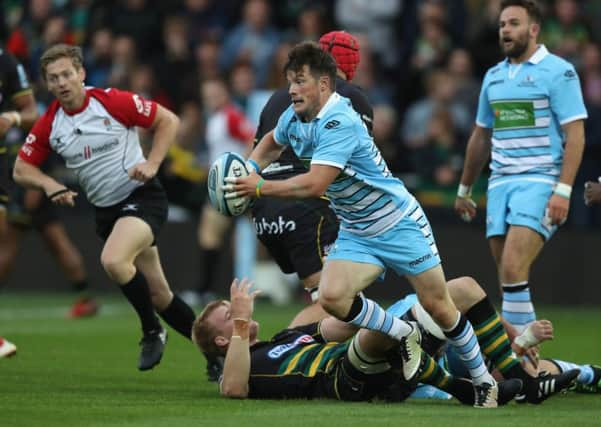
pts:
[83, 373]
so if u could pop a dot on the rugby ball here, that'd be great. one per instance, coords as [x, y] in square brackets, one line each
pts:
[227, 165]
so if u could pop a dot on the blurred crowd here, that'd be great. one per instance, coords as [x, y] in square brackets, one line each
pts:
[421, 65]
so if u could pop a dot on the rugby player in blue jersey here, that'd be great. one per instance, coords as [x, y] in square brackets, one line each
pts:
[530, 121]
[381, 224]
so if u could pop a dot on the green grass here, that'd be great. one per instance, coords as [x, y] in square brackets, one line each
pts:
[83, 373]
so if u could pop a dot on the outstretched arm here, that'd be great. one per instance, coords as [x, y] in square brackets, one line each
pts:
[30, 176]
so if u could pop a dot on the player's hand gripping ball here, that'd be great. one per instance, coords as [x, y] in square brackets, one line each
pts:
[227, 165]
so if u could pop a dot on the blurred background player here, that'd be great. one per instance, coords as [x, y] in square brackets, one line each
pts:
[19, 110]
[227, 129]
[531, 118]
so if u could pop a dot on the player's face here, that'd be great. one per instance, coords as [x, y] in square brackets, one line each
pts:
[65, 82]
[516, 32]
[304, 92]
[223, 323]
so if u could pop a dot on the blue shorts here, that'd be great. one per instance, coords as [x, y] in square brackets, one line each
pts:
[408, 247]
[519, 202]
[402, 306]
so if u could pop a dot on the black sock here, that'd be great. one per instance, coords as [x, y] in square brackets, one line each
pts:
[79, 286]
[208, 264]
[137, 293]
[179, 316]
[356, 308]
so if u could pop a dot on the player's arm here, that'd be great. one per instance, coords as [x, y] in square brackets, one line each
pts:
[30, 176]
[164, 127]
[559, 203]
[267, 151]
[476, 156]
[236, 368]
[311, 184]
[23, 116]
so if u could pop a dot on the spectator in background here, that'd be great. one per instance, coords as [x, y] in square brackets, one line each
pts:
[379, 91]
[99, 58]
[245, 94]
[441, 94]
[207, 19]
[143, 81]
[440, 159]
[123, 61]
[433, 41]
[276, 79]
[483, 39]
[460, 68]
[207, 60]
[253, 40]
[386, 137]
[566, 33]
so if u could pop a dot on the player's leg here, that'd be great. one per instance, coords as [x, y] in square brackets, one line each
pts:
[71, 262]
[128, 238]
[170, 307]
[212, 229]
[522, 246]
[588, 381]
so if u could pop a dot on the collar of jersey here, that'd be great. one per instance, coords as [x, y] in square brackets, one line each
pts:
[536, 57]
[86, 101]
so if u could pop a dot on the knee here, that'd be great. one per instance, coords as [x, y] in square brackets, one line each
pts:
[117, 268]
[335, 301]
[441, 310]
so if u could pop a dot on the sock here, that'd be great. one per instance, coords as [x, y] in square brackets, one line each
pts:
[179, 316]
[462, 338]
[435, 375]
[137, 293]
[517, 305]
[366, 313]
[79, 286]
[586, 376]
[493, 339]
[208, 265]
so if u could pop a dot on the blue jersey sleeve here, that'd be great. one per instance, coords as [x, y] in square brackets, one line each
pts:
[337, 140]
[566, 96]
[280, 133]
[484, 117]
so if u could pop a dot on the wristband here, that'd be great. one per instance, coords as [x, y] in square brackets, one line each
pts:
[563, 190]
[17, 116]
[258, 188]
[464, 191]
[254, 165]
[58, 193]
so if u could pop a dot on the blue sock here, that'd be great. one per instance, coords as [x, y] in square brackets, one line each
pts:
[517, 305]
[465, 344]
[587, 375]
[367, 314]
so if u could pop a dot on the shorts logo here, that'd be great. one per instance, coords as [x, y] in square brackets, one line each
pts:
[421, 259]
[279, 350]
[278, 226]
[130, 207]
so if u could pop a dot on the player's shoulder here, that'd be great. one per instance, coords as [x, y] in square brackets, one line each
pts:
[557, 66]
[339, 112]
[494, 72]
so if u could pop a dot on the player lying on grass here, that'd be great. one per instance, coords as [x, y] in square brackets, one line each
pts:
[500, 352]
[324, 359]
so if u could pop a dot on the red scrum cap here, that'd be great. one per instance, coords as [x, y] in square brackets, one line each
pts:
[344, 48]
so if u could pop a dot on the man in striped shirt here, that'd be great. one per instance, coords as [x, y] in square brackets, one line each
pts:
[381, 224]
[531, 121]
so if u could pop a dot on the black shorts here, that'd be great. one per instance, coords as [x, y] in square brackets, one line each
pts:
[297, 233]
[147, 202]
[45, 213]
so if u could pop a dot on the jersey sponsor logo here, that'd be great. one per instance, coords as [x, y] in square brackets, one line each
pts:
[279, 350]
[513, 114]
[27, 147]
[332, 124]
[143, 107]
[88, 151]
[278, 226]
[419, 260]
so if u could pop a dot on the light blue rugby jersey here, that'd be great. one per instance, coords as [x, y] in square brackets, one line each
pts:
[525, 105]
[366, 197]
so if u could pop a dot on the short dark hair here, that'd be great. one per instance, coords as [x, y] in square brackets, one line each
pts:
[318, 60]
[59, 51]
[532, 7]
